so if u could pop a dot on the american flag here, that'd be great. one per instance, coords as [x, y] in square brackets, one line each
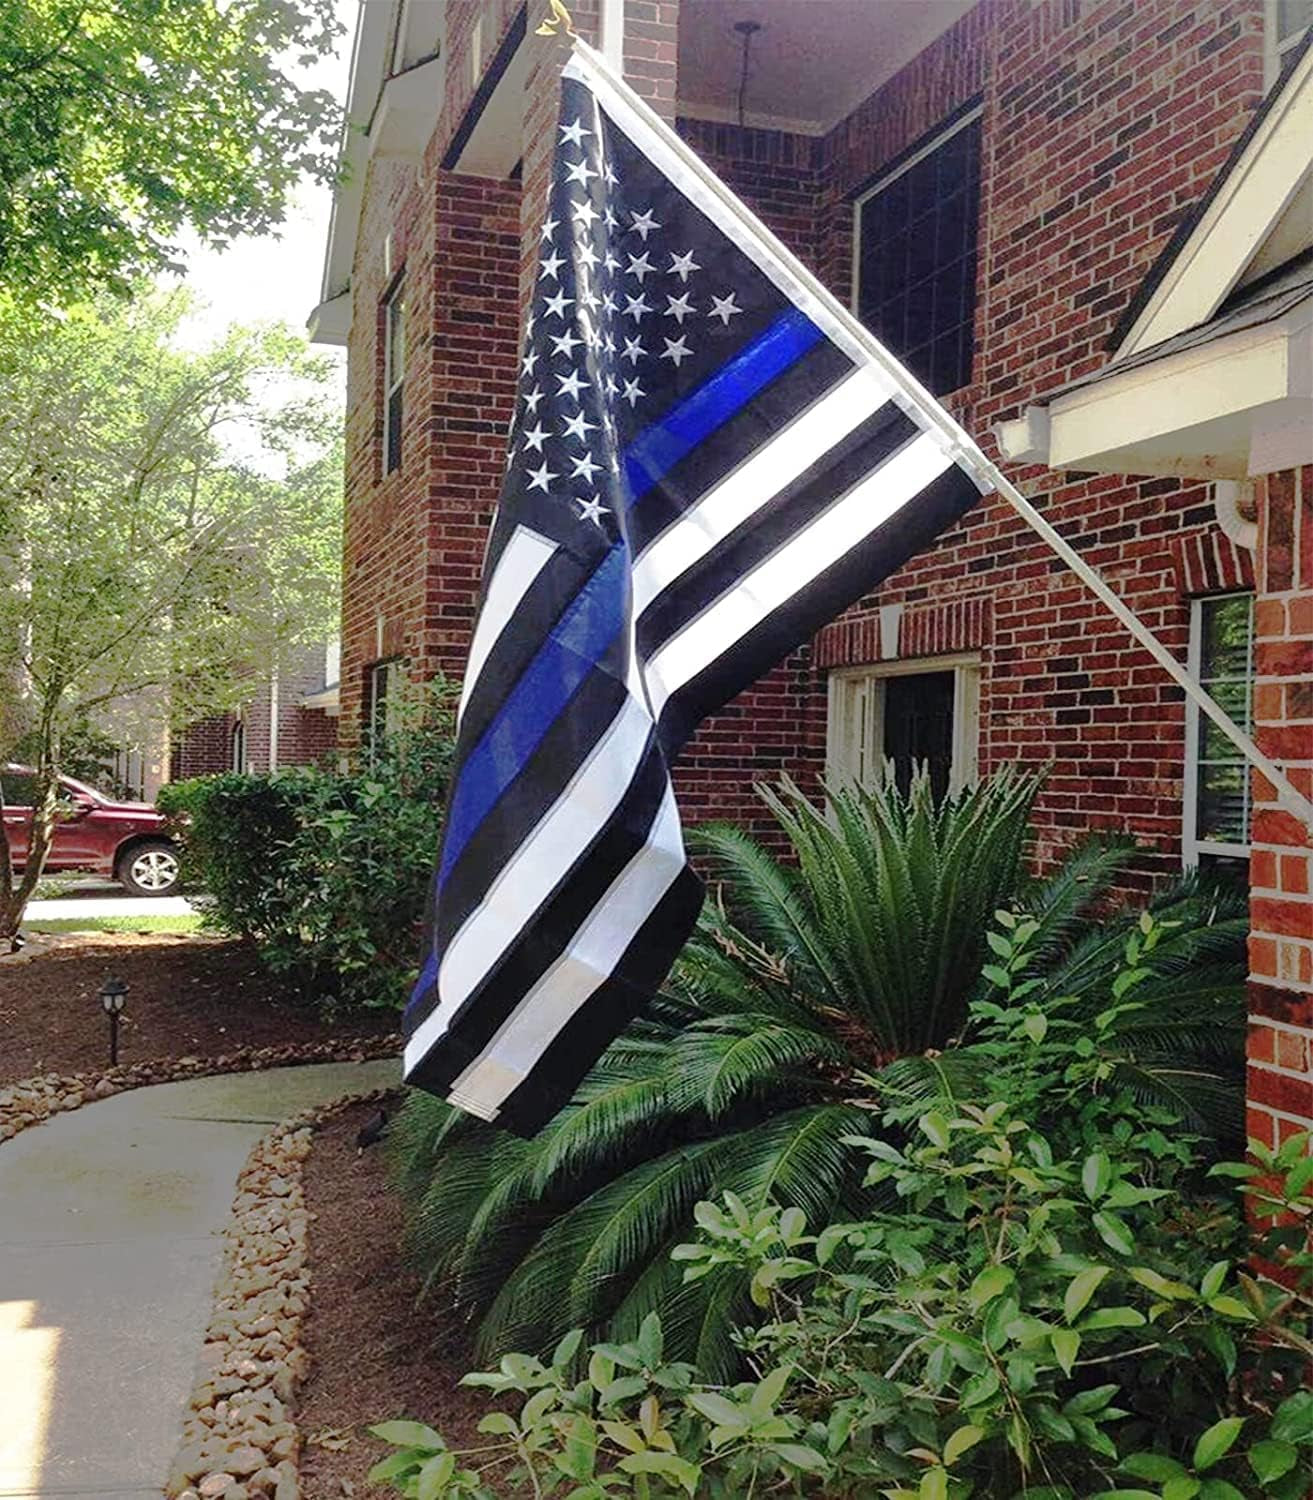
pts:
[708, 459]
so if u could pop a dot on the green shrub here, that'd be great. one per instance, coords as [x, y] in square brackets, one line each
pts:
[326, 871]
[805, 996]
[1015, 1323]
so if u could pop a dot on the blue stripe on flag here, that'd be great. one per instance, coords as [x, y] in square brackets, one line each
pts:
[574, 647]
[655, 451]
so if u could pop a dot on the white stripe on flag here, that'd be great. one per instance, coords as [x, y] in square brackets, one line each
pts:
[522, 559]
[792, 566]
[756, 482]
[530, 876]
[594, 951]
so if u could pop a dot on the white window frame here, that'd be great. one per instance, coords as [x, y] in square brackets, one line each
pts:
[1274, 47]
[854, 719]
[237, 758]
[1192, 846]
[881, 184]
[391, 387]
[390, 672]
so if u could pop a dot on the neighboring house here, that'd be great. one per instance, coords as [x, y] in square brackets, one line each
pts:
[289, 720]
[1086, 224]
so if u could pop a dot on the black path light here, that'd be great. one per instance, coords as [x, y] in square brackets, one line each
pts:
[113, 996]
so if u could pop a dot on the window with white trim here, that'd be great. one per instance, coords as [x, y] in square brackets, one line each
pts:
[902, 714]
[237, 747]
[914, 261]
[1287, 22]
[394, 374]
[1217, 791]
[384, 700]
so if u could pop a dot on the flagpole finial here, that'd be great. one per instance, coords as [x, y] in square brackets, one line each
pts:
[559, 20]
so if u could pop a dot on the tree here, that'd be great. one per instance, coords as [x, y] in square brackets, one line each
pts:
[169, 522]
[123, 121]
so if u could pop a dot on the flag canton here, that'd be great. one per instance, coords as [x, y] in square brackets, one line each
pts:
[638, 302]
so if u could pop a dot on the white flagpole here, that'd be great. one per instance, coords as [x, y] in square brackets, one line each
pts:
[968, 453]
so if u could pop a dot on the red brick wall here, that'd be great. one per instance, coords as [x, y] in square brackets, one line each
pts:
[1103, 123]
[1281, 864]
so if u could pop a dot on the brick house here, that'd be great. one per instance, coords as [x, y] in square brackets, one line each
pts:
[290, 719]
[1085, 224]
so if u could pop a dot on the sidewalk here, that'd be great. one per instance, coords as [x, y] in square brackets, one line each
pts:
[110, 1225]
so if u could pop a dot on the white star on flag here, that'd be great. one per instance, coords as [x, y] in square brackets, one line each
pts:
[643, 223]
[556, 306]
[585, 467]
[578, 426]
[633, 351]
[534, 437]
[639, 266]
[676, 350]
[724, 308]
[679, 308]
[574, 134]
[539, 479]
[681, 265]
[591, 509]
[550, 227]
[566, 343]
[632, 391]
[528, 361]
[551, 265]
[635, 307]
[532, 398]
[584, 213]
[571, 384]
[579, 171]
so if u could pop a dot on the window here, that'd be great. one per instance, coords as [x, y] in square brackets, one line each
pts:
[394, 374]
[18, 789]
[905, 713]
[237, 747]
[1287, 21]
[915, 256]
[1216, 774]
[383, 701]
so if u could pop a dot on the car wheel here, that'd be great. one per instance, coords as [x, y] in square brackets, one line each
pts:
[149, 869]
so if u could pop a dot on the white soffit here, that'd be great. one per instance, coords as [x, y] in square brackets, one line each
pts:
[1235, 406]
[1260, 216]
[811, 63]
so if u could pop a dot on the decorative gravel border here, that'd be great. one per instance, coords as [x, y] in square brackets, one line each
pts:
[32, 1100]
[239, 1441]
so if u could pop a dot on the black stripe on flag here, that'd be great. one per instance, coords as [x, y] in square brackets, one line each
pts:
[941, 503]
[547, 935]
[852, 458]
[583, 1038]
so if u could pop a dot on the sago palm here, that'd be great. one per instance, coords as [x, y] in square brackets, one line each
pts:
[804, 979]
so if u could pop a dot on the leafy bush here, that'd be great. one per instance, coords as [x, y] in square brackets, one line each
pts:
[987, 1332]
[326, 871]
[808, 989]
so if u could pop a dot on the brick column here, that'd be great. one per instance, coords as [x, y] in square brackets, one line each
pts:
[1280, 1081]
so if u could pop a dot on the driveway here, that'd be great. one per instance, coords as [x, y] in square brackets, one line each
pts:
[92, 898]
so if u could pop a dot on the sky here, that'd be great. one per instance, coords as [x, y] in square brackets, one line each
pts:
[260, 278]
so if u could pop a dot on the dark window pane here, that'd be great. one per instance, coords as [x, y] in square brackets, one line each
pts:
[918, 726]
[19, 789]
[917, 261]
[394, 429]
[1293, 17]
[1226, 636]
[1223, 803]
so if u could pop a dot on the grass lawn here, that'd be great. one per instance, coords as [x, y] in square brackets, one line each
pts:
[188, 922]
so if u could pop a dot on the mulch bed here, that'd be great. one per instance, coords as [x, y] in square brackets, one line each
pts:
[187, 997]
[374, 1355]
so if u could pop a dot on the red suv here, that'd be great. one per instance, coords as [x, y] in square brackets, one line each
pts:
[122, 839]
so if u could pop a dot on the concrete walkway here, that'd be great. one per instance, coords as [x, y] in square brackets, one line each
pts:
[110, 1239]
[89, 909]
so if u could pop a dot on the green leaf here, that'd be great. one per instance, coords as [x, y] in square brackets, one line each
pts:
[567, 1348]
[935, 1127]
[499, 1424]
[992, 1282]
[680, 1469]
[1231, 1307]
[1215, 1443]
[1095, 1175]
[1114, 1233]
[435, 1476]
[1111, 1317]
[1213, 1279]
[1292, 1422]
[1157, 1466]
[1175, 1291]
[1066, 1346]
[1185, 1487]
[411, 1434]
[1036, 1026]
[390, 1467]
[1271, 1458]
[1219, 1489]
[960, 1441]
[769, 1391]
[934, 1484]
[801, 1457]
[980, 1388]
[719, 1409]
[1080, 1289]
[1124, 1495]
